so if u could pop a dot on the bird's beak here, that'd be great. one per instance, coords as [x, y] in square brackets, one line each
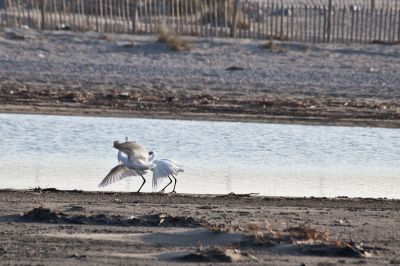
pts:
[115, 143]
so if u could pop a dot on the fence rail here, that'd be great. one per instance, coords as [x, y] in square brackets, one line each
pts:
[329, 21]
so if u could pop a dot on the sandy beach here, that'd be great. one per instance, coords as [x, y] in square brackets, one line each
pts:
[75, 227]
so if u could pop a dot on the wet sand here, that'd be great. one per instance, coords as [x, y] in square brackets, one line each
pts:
[75, 227]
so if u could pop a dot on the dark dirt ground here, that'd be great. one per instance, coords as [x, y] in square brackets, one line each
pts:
[196, 105]
[94, 228]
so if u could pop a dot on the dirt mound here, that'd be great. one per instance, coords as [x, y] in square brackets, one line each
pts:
[217, 255]
[332, 250]
[45, 215]
[171, 221]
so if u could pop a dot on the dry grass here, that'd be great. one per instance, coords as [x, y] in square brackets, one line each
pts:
[173, 40]
[300, 234]
[306, 48]
[265, 234]
[271, 45]
[305, 235]
[105, 37]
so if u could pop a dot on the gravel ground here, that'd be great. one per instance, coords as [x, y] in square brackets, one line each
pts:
[85, 59]
[321, 77]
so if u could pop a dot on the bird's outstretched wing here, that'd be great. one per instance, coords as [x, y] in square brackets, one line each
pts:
[133, 149]
[117, 173]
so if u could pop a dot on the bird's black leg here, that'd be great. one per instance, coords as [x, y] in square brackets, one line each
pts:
[144, 181]
[173, 191]
[170, 181]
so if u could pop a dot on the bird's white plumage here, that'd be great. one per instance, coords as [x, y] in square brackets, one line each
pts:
[163, 169]
[137, 155]
[117, 173]
[132, 161]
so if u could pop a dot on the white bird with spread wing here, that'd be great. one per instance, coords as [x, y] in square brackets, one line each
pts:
[133, 160]
[164, 168]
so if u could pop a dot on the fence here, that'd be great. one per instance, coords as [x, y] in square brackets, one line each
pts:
[327, 21]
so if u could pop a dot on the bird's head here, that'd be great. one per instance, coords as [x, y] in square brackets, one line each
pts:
[116, 144]
[152, 154]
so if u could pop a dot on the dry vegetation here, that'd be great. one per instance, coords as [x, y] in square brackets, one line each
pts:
[173, 40]
[271, 45]
[299, 236]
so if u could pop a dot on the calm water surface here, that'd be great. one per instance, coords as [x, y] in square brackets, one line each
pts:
[219, 157]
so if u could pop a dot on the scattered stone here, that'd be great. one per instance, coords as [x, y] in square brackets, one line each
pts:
[37, 190]
[55, 190]
[76, 255]
[63, 26]
[128, 45]
[232, 194]
[75, 209]
[11, 35]
[3, 251]
[234, 68]
[205, 207]
[170, 221]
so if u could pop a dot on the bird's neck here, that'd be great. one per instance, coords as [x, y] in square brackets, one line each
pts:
[151, 157]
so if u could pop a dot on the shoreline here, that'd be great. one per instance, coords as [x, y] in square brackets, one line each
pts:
[254, 196]
[214, 117]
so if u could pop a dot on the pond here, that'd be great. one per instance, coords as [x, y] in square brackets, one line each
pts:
[71, 152]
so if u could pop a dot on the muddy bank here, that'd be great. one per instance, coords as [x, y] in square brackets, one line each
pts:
[198, 106]
[77, 227]
[219, 79]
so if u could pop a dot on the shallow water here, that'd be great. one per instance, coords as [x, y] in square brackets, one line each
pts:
[70, 152]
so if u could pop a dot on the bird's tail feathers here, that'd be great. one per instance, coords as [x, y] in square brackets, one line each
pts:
[156, 180]
[179, 168]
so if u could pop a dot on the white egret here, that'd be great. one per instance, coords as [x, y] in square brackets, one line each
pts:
[164, 168]
[133, 160]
